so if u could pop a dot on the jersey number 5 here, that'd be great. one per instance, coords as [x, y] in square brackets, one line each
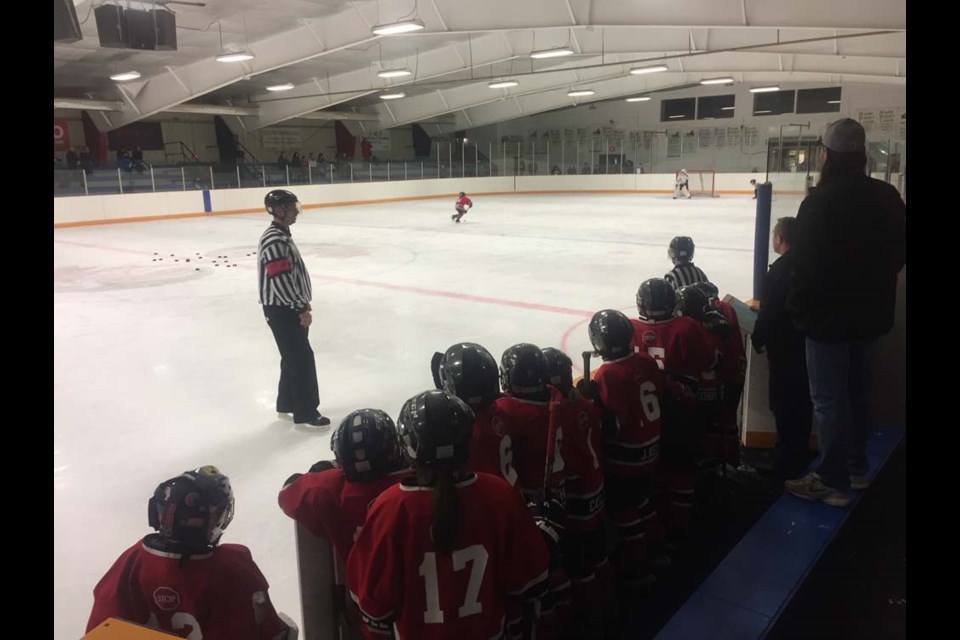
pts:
[471, 601]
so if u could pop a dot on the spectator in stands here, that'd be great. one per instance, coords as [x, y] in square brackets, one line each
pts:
[282, 161]
[586, 168]
[123, 159]
[628, 166]
[789, 388]
[555, 171]
[366, 149]
[310, 161]
[57, 162]
[850, 246]
[136, 159]
[86, 161]
[321, 158]
[639, 167]
[753, 183]
[72, 159]
[295, 160]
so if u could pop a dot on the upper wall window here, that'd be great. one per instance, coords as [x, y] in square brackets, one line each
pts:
[715, 107]
[818, 100]
[774, 103]
[678, 109]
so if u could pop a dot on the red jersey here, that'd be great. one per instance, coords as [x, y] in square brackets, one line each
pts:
[331, 507]
[733, 368]
[582, 446]
[527, 423]
[397, 575]
[209, 597]
[464, 201]
[631, 387]
[491, 447]
[680, 346]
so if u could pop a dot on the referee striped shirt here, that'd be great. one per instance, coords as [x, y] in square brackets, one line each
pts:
[283, 278]
[684, 274]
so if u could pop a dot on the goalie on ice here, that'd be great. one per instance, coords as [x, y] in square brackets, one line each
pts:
[682, 186]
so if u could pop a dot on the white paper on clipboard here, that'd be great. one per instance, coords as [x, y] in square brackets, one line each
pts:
[746, 315]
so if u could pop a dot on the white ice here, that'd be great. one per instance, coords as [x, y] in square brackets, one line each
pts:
[164, 365]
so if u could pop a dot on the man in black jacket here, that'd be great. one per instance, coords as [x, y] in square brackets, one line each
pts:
[850, 246]
[786, 355]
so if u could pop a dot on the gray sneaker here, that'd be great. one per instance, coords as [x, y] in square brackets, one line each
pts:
[859, 483]
[811, 487]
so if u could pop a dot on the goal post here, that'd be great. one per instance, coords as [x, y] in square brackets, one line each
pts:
[703, 182]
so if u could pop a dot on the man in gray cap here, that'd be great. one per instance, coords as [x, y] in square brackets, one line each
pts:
[850, 246]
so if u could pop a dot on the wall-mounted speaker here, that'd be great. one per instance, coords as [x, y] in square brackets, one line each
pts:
[111, 26]
[66, 27]
[152, 30]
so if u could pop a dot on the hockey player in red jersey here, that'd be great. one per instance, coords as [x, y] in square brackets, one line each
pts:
[331, 502]
[463, 203]
[733, 368]
[469, 371]
[180, 580]
[583, 542]
[629, 387]
[442, 554]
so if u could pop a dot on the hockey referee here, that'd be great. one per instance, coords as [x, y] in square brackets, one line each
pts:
[684, 272]
[285, 295]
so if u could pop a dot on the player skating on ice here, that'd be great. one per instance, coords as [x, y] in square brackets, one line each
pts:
[682, 186]
[463, 203]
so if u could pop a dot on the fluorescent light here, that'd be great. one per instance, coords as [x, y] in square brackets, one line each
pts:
[552, 53]
[126, 75]
[404, 26]
[392, 96]
[833, 102]
[394, 73]
[581, 92]
[883, 152]
[640, 99]
[676, 116]
[762, 111]
[656, 69]
[717, 81]
[764, 89]
[726, 108]
[503, 84]
[237, 56]
[281, 87]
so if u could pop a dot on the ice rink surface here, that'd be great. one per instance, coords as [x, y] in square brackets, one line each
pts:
[163, 365]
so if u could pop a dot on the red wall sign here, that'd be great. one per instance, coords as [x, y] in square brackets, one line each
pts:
[61, 135]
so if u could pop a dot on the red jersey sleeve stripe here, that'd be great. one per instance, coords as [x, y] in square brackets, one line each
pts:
[277, 267]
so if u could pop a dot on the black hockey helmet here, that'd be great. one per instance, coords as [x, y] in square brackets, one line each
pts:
[469, 372]
[559, 369]
[709, 289]
[193, 508]
[365, 445]
[434, 428]
[692, 301]
[279, 200]
[462, 194]
[611, 334]
[523, 369]
[656, 299]
[681, 249]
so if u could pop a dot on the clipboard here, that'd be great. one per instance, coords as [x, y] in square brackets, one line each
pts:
[746, 315]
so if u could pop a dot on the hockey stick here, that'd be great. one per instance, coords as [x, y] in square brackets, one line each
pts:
[586, 364]
[556, 400]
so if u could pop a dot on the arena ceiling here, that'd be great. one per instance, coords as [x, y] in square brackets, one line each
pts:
[327, 50]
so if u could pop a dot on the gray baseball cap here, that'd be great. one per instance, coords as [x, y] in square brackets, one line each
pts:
[845, 136]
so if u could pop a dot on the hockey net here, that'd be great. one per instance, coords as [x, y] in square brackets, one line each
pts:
[703, 182]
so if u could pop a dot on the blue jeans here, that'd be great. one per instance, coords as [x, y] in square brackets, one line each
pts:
[839, 374]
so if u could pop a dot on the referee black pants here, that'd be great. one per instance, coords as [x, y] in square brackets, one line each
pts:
[298, 392]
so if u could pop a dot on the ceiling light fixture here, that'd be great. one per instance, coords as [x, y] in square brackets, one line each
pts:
[640, 99]
[655, 69]
[126, 75]
[679, 115]
[764, 89]
[726, 108]
[552, 53]
[393, 96]
[281, 87]
[394, 73]
[404, 26]
[580, 92]
[236, 56]
[503, 84]
[717, 81]
[756, 113]
[833, 102]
